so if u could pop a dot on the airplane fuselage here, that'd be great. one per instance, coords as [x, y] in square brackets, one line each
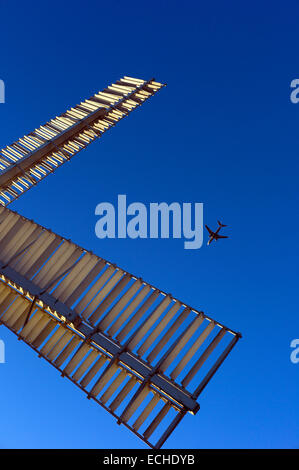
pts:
[214, 235]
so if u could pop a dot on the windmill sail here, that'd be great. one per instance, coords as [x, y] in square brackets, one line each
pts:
[31, 158]
[140, 353]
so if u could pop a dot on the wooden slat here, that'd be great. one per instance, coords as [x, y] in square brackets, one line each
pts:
[168, 335]
[138, 315]
[114, 386]
[123, 394]
[204, 357]
[103, 380]
[46, 331]
[112, 294]
[112, 314]
[158, 419]
[134, 404]
[61, 343]
[52, 341]
[179, 345]
[85, 365]
[93, 371]
[67, 351]
[77, 358]
[192, 350]
[148, 323]
[146, 412]
[159, 328]
[129, 310]
[93, 294]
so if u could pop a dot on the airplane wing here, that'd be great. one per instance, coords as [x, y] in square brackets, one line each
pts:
[209, 230]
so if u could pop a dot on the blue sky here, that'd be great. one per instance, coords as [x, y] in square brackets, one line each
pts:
[223, 132]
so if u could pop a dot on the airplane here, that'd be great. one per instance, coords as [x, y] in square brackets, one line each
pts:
[214, 235]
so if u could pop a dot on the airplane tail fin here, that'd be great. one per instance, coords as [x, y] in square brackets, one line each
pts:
[221, 225]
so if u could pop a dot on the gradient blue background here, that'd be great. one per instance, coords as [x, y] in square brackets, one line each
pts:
[224, 133]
